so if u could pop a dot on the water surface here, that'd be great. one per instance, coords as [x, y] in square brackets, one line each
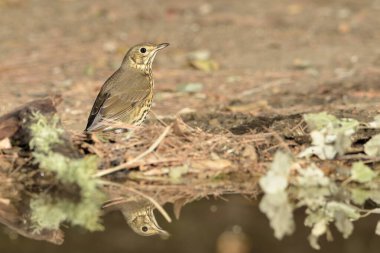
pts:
[201, 228]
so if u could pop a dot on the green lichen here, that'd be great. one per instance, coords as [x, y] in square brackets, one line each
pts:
[318, 121]
[176, 173]
[372, 147]
[48, 211]
[326, 201]
[45, 132]
[79, 171]
[362, 173]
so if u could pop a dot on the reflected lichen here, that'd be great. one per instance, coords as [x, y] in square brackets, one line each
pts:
[326, 199]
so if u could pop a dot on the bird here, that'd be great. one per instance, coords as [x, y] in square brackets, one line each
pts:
[126, 96]
[140, 217]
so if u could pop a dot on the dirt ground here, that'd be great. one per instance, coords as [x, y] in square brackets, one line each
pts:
[279, 58]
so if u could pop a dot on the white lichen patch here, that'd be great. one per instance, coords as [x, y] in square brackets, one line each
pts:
[330, 136]
[290, 184]
[275, 203]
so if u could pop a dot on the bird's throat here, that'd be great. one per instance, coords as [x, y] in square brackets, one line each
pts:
[143, 68]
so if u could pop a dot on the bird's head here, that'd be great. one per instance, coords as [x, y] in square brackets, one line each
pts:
[141, 56]
[144, 223]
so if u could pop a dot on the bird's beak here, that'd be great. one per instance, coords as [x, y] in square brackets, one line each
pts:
[163, 234]
[162, 46]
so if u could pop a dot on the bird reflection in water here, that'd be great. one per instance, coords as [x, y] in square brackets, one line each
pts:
[140, 217]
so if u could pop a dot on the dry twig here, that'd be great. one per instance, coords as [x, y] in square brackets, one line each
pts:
[129, 163]
[123, 200]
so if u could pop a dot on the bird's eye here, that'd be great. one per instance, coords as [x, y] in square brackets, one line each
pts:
[144, 228]
[143, 50]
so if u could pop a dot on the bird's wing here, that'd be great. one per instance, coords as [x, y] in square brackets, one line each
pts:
[104, 93]
[119, 95]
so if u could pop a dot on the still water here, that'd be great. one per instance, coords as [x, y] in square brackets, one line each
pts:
[220, 226]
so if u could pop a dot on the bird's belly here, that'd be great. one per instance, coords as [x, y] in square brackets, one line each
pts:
[141, 112]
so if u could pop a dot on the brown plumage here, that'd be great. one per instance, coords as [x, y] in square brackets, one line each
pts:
[127, 94]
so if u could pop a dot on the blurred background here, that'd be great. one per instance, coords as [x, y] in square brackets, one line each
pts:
[260, 56]
[250, 56]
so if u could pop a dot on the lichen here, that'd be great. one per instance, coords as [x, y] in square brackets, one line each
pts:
[327, 201]
[330, 135]
[275, 203]
[45, 132]
[48, 211]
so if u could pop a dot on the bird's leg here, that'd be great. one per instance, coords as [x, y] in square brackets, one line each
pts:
[100, 137]
[111, 135]
[158, 119]
[127, 134]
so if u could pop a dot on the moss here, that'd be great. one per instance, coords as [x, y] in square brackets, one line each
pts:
[47, 211]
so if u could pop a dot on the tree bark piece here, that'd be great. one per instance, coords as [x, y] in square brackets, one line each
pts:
[14, 121]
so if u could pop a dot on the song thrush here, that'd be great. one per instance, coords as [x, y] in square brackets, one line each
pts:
[127, 94]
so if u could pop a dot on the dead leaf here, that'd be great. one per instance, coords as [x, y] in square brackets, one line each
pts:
[89, 70]
[301, 64]
[190, 87]
[250, 151]
[344, 28]
[214, 123]
[5, 201]
[201, 60]
[5, 144]
[180, 128]
[250, 107]
[204, 65]
[211, 164]
[177, 207]
[294, 9]
[186, 110]
[110, 46]
[202, 54]
[176, 173]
